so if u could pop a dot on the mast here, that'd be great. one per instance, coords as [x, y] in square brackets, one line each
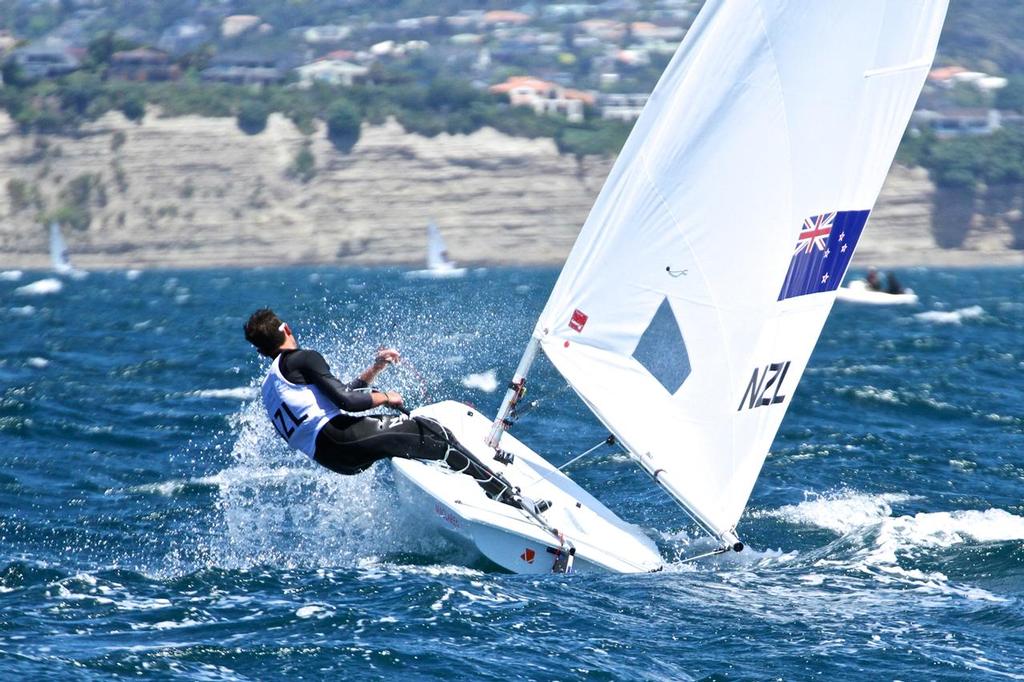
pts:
[516, 390]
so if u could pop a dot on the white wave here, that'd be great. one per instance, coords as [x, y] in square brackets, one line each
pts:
[313, 610]
[10, 275]
[951, 316]
[50, 285]
[486, 381]
[892, 543]
[132, 275]
[37, 362]
[239, 393]
[945, 529]
[165, 488]
[840, 512]
[24, 311]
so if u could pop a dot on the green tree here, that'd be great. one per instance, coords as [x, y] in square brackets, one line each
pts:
[252, 116]
[102, 48]
[1012, 96]
[344, 124]
[133, 107]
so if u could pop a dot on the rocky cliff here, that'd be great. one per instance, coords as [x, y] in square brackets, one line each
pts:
[188, 192]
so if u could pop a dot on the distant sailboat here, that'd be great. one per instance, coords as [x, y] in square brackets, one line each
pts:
[439, 265]
[693, 298]
[59, 258]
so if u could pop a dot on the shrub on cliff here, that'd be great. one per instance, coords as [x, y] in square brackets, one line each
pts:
[134, 108]
[343, 125]
[252, 116]
[303, 166]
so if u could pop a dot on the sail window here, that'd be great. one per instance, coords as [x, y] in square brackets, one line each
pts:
[662, 351]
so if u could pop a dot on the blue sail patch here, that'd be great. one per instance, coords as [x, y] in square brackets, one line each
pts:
[662, 351]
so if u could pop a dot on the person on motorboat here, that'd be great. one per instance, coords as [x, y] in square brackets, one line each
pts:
[874, 280]
[893, 285]
[309, 408]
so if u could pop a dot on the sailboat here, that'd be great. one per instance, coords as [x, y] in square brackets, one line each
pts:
[688, 309]
[439, 265]
[59, 259]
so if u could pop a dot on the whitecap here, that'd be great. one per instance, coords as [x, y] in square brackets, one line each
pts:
[10, 275]
[310, 611]
[840, 512]
[951, 317]
[37, 362]
[239, 393]
[50, 285]
[132, 275]
[486, 381]
[24, 311]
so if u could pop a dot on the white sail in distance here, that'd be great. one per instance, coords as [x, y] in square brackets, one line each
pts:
[689, 306]
[437, 252]
[58, 251]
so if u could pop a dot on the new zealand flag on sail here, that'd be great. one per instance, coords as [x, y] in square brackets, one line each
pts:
[822, 252]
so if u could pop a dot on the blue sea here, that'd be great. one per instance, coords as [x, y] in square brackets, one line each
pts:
[152, 524]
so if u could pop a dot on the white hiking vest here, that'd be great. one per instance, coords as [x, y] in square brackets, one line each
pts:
[297, 411]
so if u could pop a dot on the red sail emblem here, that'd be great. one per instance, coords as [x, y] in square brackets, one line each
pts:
[528, 555]
[579, 318]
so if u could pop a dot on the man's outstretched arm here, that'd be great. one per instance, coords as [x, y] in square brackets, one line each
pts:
[314, 370]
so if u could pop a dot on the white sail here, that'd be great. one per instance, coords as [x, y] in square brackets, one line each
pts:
[699, 284]
[58, 250]
[437, 252]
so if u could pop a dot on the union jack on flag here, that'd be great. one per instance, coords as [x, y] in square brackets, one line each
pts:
[815, 233]
[823, 251]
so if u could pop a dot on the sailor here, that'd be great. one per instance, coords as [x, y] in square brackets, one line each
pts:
[308, 407]
[874, 281]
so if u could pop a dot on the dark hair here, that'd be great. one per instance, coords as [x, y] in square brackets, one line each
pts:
[263, 330]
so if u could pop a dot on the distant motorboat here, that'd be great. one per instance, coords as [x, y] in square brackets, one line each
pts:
[439, 265]
[59, 258]
[858, 291]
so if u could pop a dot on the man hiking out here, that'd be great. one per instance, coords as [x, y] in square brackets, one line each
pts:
[305, 403]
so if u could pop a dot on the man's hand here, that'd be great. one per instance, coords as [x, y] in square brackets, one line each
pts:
[394, 399]
[385, 357]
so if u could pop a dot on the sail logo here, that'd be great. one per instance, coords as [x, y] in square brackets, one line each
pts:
[824, 247]
[578, 320]
[765, 386]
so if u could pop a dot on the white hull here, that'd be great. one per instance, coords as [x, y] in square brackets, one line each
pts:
[858, 292]
[507, 535]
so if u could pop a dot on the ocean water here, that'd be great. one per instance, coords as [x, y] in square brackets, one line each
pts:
[152, 524]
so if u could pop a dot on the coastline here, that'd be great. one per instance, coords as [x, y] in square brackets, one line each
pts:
[192, 192]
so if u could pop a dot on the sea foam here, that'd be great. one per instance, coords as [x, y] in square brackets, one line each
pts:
[951, 316]
[50, 285]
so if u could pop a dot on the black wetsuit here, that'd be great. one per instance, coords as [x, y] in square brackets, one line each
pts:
[349, 444]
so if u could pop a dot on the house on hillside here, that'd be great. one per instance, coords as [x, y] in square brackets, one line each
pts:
[143, 64]
[949, 76]
[958, 122]
[183, 36]
[244, 70]
[328, 33]
[622, 107]
[46, 59]
[237, 24]
[544, 97]
[331, 71]
[505, 18]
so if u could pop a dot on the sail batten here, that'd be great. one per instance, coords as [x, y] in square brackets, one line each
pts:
[733, 211]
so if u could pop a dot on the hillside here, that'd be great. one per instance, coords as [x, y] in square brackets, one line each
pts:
[193, 192]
